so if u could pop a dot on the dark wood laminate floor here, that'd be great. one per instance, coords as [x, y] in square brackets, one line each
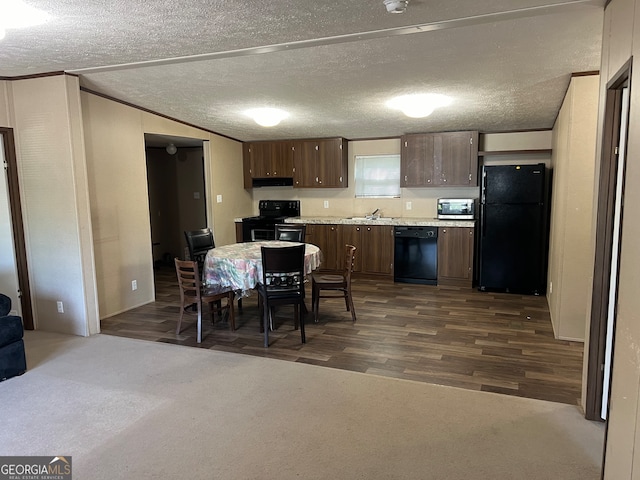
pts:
[493, 342]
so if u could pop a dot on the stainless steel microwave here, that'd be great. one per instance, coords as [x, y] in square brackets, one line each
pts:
[456, 208]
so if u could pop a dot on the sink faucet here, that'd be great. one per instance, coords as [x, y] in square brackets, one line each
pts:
[373, 215]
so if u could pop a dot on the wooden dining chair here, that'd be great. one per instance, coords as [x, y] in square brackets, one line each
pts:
[199, 242]
[291, 232]
[192, 293]
[282, 284]
[339, 285]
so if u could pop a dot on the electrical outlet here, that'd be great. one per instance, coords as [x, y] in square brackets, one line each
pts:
[219, 198]
[326, 204]
[134, 284]
[408, 206]
[60, 307]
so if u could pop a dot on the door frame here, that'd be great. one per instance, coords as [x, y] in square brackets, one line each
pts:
[18, 227]
[604, 242]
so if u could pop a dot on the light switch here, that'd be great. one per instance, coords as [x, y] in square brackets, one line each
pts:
[326, 204]
[219, 198]
[408, 205]
[196, 195]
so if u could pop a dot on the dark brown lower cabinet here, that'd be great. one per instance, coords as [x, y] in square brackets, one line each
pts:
[455, 256]
[376, 255]
[238, 232]
[374, 246]
[326, 237]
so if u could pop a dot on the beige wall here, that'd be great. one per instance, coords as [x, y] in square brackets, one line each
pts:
[119, 199]
[570, 245]
[45, 115]
[4, 104]
[622, 27]
[223, 170]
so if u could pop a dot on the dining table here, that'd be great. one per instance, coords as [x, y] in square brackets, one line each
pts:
[239, 265]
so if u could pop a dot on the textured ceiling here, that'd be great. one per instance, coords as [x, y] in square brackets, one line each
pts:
[333, 66]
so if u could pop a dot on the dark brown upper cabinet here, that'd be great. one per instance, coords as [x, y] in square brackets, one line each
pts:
[320, 163]
[269, 159]
[439, 159]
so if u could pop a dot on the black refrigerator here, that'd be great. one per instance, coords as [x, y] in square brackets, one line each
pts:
[514, 233]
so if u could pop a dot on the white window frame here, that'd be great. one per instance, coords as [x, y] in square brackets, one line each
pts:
[382, 174]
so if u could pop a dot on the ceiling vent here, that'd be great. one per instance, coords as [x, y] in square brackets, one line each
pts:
[396, 6]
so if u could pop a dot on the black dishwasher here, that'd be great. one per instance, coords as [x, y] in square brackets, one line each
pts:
[415, 258]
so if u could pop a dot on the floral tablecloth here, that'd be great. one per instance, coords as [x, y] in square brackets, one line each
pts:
[239, 265]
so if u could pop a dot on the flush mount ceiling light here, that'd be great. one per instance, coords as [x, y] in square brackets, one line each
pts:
[171, 149]
[419, 105]
[16, 14]
[396, 6]
[267, 117]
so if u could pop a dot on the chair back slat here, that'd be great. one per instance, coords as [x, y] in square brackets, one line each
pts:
[349, 260]
[188, 279]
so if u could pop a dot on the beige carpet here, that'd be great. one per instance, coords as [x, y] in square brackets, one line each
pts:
[130, 409]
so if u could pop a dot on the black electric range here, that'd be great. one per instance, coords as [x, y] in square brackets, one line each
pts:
[272, 212]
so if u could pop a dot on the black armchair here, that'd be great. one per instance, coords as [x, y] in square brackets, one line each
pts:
[12, 357]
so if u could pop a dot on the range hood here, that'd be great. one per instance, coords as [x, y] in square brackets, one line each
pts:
[272, 182]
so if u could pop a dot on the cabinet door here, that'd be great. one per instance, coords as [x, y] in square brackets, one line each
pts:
[416, 165]
[327, 239]
[246, 166]
[413, 155]
[260, 154]
[281, 164]
[332, 163]
[238, 232]
[377, 249]
[455, 158]
[455, 256]
[352, 235]
[305, 159]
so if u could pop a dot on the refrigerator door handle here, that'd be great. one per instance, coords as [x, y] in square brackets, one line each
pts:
[484, 187]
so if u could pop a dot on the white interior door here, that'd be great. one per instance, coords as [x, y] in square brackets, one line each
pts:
[8, 266]
[615, 251]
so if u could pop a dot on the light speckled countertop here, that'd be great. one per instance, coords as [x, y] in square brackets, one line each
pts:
[396, 221]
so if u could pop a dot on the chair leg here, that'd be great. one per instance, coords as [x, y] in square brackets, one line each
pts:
[353, 309]
[180, 320]
[261, 312]
[316, 302]
[240, 305]
[296, 316]
[346, 299]
[301, 319]
[265, 323]
[199, 338]
[232, 314]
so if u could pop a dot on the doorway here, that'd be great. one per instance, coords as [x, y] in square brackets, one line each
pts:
[177, 196]
[608, 233]
[14, 275]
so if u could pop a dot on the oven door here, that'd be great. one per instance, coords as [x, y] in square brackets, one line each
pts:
[256, 230]
[262, 233]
